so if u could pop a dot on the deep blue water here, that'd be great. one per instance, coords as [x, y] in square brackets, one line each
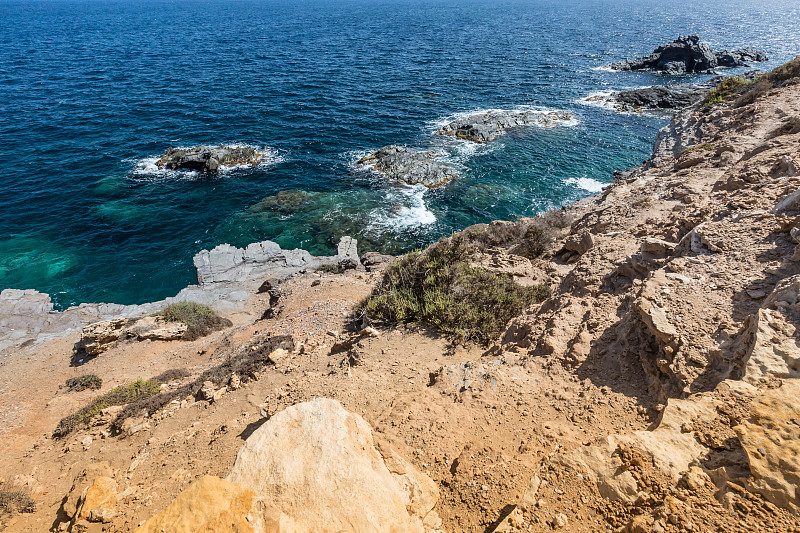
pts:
[92, 91]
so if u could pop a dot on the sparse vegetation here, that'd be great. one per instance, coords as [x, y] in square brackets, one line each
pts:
[81, 383]
[705, 147]
[14, 500]
[121, 395]
[200, 319]
[438, 286]
[173, 374]
[246, 365]
[746, 91]
[726, 90]
[330, 269]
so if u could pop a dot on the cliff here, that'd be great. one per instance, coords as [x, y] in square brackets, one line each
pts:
[654, 389]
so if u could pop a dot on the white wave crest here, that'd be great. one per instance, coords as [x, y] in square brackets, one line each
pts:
[408, 210]
[587, 184]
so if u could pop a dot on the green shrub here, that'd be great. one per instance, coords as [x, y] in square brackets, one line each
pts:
[748, 91]
[14, 500]
[121, 395]
[727, 89]
[438, 287]
[705, 147]
[81, 383]
[200, 319]
[330, 269]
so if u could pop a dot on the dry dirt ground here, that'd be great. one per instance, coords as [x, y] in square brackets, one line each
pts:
[594, 360]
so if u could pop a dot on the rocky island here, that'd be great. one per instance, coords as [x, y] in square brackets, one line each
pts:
[409, 166]
[488, 126]
[689, 55]
[628, 363]
[209, 158]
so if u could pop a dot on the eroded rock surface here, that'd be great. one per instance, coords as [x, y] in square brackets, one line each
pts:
[318, 464]
[209, 158]
[488, 126]
[410, 166]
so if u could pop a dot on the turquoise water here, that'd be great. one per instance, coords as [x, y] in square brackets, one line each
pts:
[92, 92]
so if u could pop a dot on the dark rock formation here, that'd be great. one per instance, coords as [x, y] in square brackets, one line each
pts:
[485, 127]
[678, 96]
[740, 58]
[687, 55]
[208, 158]
[409, 166]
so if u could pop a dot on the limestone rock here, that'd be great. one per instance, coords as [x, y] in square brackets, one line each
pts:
[580, 243]
[212, 504]
[156, 328]
[771, 438]
[98, 337]
[317, 463]
[76, 500]
[409, 166]
[773, 336]
[98, 501]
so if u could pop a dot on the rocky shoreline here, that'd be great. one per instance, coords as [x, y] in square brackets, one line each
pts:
[226, 277]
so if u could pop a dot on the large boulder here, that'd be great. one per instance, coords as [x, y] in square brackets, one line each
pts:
[209, 158]
[212, 504]
[688, 55]
[771, 438]
[488, 126]
[98, 337]
[319, 465]
[409, 166]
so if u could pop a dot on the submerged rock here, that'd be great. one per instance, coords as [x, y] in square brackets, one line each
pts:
[409, 166]
[687, 55]
[209, 158]
[485, 127]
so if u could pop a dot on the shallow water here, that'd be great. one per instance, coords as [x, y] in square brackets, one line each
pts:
[92, 92]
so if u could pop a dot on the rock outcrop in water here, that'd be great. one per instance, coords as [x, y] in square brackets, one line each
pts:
[678, 96]
[209, 158]
[409, 166]
[688, 55]
[486, 127]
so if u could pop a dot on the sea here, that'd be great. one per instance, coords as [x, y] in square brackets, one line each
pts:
[93, 91]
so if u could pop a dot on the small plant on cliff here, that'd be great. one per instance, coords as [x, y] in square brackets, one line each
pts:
[200, 319]
[121, 395]
[86, 381]
[440, 288]
[727, 89]
[14, 500]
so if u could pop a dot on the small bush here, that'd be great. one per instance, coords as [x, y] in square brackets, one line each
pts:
[121, 395]
[15, 501]
[173, 374]
[81, 383]
[746, 91]
[727, 89]
[200, 318]
[438, 287]
[246, 364]
[330, 269]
